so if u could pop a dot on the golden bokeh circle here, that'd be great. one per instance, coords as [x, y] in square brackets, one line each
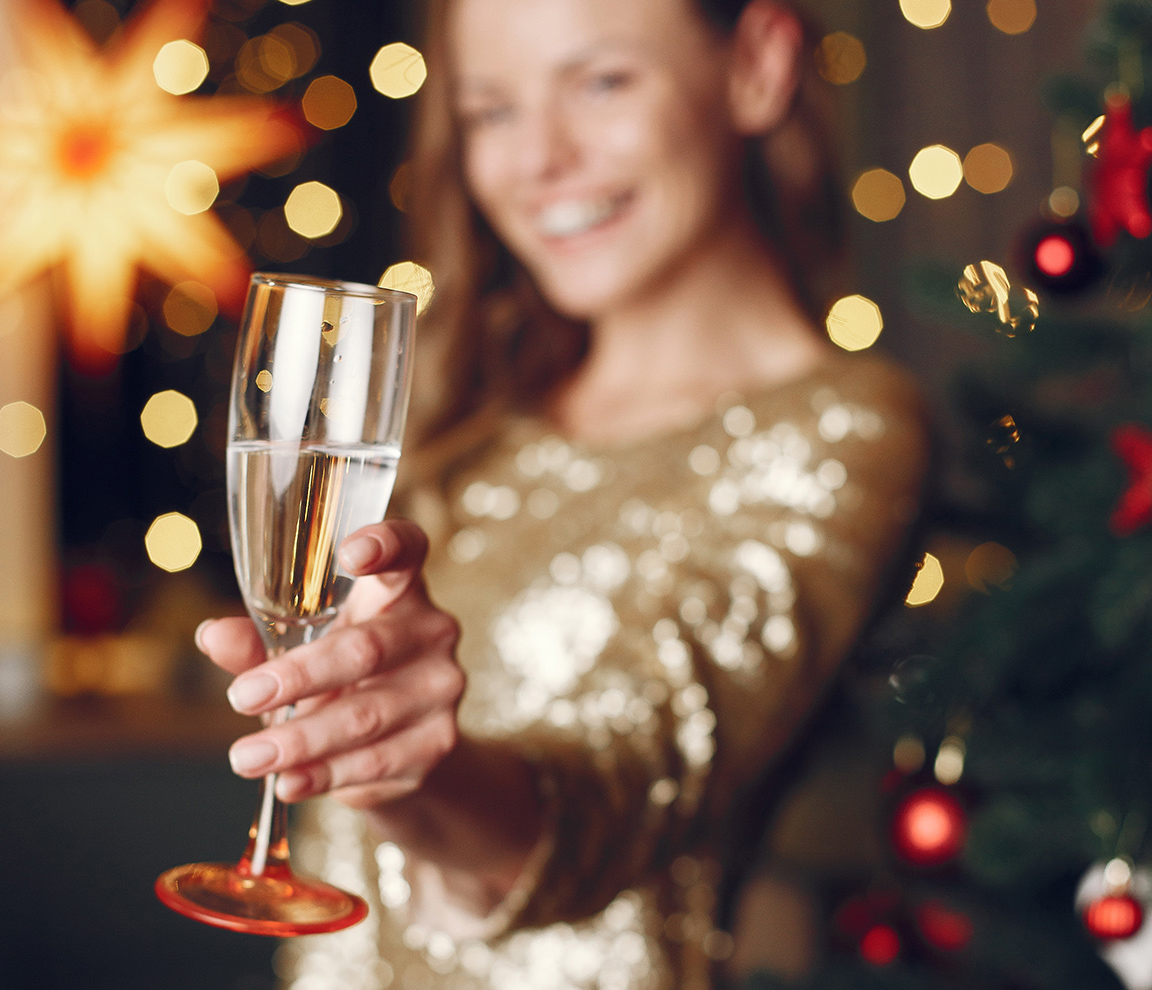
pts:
[173, 542]
[180, 67]
[169, 418]
[190, 308]
[936, 171]
[398, 70]
[988, 168]
[854, 323]
[22, 429]
[191, 187]
[926, 14]
[1012, 16]
[878, 195]
[313, 209]
[408, 276]
[990, 565]
[840, 58]
[328, 103]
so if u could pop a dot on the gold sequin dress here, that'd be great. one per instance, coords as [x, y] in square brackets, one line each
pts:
[651, 623]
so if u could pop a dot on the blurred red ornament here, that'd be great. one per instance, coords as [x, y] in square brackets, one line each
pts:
[93, 602]
[1118, 183]
[942, 927]
[1133, 445]
[1114, 916]
[1059, 256]
[880, 945]
[929, 827]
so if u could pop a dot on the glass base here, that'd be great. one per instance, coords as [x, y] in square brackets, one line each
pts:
[275, 903]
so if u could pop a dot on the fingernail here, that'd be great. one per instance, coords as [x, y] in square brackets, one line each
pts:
[290, 786]
[198, 636]
[252, 757]
[358, 553]
[247, 693]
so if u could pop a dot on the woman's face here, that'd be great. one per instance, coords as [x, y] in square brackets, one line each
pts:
[597, 140]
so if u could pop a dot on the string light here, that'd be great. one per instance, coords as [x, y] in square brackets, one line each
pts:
[191, 188]
[1012, 16]
[329, 102]
[169, 418]
[398, 70]
[313, 209]
[173, 542]
[988, 168]
[854, 323]
[180, 67]
[878, 195]
[936, 171]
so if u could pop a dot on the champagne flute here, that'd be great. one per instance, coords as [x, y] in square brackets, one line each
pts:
[319, 395]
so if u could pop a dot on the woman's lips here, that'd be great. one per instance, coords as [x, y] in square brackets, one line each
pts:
[568, 218]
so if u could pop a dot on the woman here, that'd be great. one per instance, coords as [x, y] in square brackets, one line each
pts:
[661, 510]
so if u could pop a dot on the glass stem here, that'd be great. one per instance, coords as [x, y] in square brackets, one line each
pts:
[268, 835]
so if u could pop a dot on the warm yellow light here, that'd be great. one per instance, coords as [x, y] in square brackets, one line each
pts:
[191, 188]
[329, 102]
[936, 172]
[840, 58]
[407, 276]
[190, 308]
[1064, 201]
[878, 195]
[22, 429]
[398, 70]
[313, 209]
[264, 380]
[180, 67]
[908, 754]
[303, 41]
[989, 566]
[988, 168]
[169, 418]
[293, 3]
[173, 542]
[1012, 16]
[949, 765]
[929, 581]
[926, 14]
[854, 323]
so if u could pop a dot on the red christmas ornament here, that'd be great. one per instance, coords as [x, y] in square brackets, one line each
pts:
[880, 945]
[929, 827]
[1118, 184]
[1114, 916]
[1133, 445]
[942, 927]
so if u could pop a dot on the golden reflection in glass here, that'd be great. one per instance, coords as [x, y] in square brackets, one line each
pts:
[990, 565]
[908, 754]
[878, 195]
[408, 276]
[22, 429]
[180, 67]
[400, 186]
[303, 41]
[936, 171]
[988, 168]
[1064, 201]
[926, 14]
[840, 58]
[854, 323]
[1012, 16]
[984, 288]
[313, 209]
[264, 381]
[173, 542]
[929, 581]
[948, 767]
[1091, 135]
[398, 70]
[190, 308]
[191, 188]
[169, 418]
[100, 19]
[328, 103]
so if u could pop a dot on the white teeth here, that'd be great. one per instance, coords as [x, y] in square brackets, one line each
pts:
[574, 216]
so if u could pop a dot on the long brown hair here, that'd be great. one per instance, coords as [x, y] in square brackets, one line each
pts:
[489, 343]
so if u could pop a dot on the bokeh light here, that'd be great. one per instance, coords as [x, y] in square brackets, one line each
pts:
[926, 14]
[329, 102]
[22, 429]
[949, 765]
[313, 209]
[400, 186]
[840, 58]
[929, 581]
[990, 565]
[173, 542]
[180, 67]
[293, 3]
[398, 70]
[988, 168]
[190, 308]
[936, 171]
[266, 63]
[304, 42]
[191, 188]
[908, 754]
[169, 418]
[854, 323]
[985, 288]
[1064, 201]
[408, 276]
[878, 195]
[1012, 16]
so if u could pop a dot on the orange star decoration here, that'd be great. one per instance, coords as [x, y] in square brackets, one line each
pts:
[92, 154]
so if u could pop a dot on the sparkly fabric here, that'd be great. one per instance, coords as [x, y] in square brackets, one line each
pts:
[650, 624]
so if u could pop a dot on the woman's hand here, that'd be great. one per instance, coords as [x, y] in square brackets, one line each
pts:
[375, 697]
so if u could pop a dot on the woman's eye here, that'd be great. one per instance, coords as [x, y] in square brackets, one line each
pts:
[607, 82]
[486, 116]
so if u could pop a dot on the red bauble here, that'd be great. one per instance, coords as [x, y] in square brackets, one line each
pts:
[880, 945]
[1114, 916]
[1118, 183]
[1133, 445]
[942, 927]
[1059, 257]
[929, 827]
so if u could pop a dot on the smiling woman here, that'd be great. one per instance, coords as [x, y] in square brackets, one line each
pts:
[655, 506]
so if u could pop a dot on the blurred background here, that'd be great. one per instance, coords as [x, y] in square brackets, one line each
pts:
[281, 124]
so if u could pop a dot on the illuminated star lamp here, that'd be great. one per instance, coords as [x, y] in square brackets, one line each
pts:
[88, 140]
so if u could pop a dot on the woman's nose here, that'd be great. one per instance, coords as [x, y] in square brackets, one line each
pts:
[548, 146]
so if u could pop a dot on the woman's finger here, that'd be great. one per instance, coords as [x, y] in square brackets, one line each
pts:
[232, 643]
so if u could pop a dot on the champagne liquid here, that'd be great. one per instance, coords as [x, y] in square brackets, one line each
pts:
[290, 506]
